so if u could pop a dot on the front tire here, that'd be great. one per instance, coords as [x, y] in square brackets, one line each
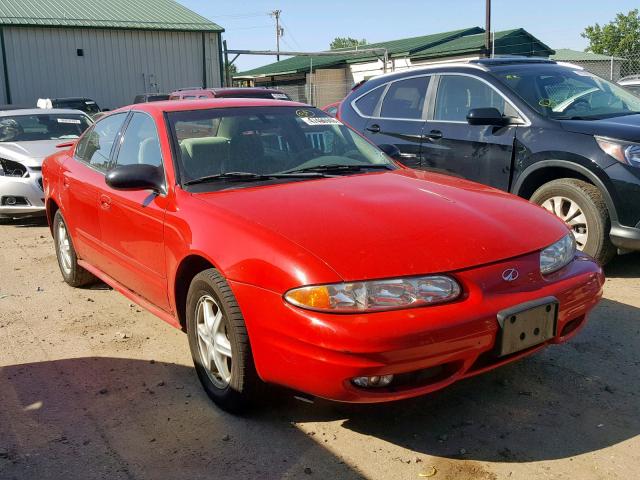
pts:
[581, 205]
[73, 274]
[219, 343]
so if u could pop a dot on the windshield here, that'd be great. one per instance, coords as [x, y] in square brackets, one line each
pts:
[27, 128]
[559, 92]
[268, 141]
[87, 106]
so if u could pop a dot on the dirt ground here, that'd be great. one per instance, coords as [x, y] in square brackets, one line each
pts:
[93, 387]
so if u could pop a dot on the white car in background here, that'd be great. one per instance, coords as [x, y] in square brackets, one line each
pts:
[631, 83]
[27, 137]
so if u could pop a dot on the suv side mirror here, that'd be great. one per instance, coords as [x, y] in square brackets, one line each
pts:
[487, 116]
[391, 150]
[136, 177]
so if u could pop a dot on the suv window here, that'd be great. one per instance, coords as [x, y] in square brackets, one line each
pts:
[405, 98]
[367, 103]
[95, 147]
[140, 144]
[457, 94]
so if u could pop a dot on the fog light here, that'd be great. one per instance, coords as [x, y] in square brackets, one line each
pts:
[10, 200]
[373, 382]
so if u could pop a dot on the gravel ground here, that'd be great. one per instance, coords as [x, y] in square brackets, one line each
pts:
[92, 387]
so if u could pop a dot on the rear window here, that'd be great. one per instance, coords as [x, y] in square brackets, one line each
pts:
[367, 104]
[27, 128]
[405, 98]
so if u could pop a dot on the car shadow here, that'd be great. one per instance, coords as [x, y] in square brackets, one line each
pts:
[624, 266]
[117, 418]
[25, 222]
[567, 400]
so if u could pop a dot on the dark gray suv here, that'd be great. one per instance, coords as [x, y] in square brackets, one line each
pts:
[551, 133]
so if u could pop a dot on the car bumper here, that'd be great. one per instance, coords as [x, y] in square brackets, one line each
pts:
[28, 189]
[425, 348]
[626, 238]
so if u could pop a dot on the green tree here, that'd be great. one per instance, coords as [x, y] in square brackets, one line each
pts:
[619, 37]
[232, 69]
[346, 42]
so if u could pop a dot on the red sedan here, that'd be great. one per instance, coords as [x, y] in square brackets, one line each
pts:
[294, 252]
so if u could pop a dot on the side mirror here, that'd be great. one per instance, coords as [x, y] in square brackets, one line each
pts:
[136, 177]
[391, 150]
[487, 116]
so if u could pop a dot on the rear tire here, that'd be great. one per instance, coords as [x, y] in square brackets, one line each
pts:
[73, 274]
[219, 343]
[582, 206]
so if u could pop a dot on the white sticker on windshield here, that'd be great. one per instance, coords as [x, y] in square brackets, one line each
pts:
[280, 96]
[69, 120]
[321, 121]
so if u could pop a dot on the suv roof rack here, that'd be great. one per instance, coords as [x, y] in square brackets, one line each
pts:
[508, 60]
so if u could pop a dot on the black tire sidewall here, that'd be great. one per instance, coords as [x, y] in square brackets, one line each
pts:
[69, 278]
[596, 216]
[234, 396]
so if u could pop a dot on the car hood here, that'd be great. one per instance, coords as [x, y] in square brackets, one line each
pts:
[397, 223]
[624, 128]
[29, 153]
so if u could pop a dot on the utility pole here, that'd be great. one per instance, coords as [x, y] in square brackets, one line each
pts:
[279, 30]
[487, 33]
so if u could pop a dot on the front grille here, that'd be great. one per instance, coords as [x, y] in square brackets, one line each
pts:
[13, 169]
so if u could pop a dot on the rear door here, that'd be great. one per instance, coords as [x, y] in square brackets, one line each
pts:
[398, 117]
[452, 146]
[82, 177]
[132, 222]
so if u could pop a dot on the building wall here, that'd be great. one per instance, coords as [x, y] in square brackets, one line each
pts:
[116, 65]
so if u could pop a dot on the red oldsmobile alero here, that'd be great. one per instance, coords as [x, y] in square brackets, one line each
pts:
[294, 252]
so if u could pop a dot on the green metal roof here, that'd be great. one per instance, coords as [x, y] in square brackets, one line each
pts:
[127, 14]
[567, 55]
[509, 42]
[396, 48]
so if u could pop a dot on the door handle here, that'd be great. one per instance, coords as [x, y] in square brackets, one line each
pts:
[375, 128]
[433, 135]
[105, 202]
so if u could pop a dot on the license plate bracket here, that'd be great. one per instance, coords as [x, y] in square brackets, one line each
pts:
[526, 325]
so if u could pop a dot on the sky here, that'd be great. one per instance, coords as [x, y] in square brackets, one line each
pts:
[311, 26]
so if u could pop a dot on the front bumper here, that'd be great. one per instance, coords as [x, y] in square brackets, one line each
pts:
[28, 188]
[425, 348]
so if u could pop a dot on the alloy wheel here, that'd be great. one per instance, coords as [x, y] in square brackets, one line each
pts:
[64, 248]
[569, 211]
[213, 341]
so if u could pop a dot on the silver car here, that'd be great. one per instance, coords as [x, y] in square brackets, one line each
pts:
[27, 137]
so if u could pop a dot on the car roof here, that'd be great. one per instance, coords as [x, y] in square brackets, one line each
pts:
[41, 111]
[209, 103]
[70, 99]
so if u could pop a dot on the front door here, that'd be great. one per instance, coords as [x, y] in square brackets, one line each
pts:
[398, 120]
[132, 222]
[452, 146]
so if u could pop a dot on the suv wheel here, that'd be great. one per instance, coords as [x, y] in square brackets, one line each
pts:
[219, 343]
[581, 205]
[73, 274]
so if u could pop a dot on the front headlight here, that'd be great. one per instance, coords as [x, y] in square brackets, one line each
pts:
[625, 152]
[558, 255]
[376, 295]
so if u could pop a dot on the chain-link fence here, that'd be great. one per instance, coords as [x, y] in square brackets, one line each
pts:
[614, 68]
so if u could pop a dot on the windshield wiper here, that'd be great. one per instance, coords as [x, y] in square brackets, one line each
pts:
[248, 177]
[338, 168]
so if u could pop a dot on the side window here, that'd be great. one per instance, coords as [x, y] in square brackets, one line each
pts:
[140, 143]
[95, 147]
[457, 94]
[368, 103]
[405, 98]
